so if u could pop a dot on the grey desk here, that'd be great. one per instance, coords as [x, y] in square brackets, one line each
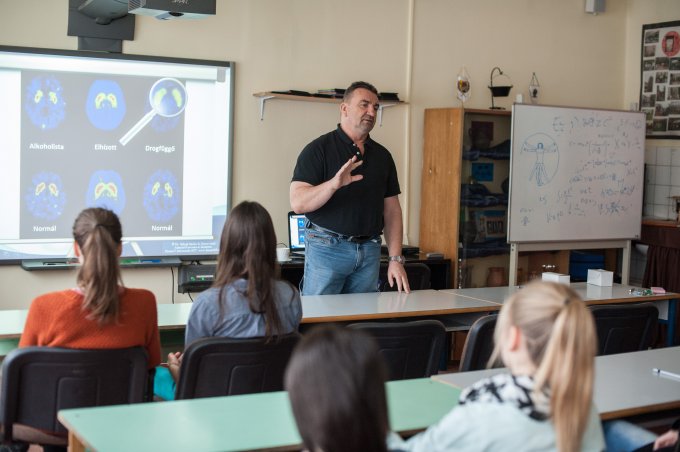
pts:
[358, 306]
[172, 318]
[248, 422]
[383, 305]
[591, 294]
[11, 325]
[624, 384]
[618, 293]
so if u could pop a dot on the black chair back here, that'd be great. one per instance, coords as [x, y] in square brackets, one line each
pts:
[625, 328]
[411, 349]
[419, 277]
[37, 382]
[478, 344]
[220, 366]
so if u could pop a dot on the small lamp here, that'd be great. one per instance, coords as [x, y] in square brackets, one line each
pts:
[534, 88]
[499, 90]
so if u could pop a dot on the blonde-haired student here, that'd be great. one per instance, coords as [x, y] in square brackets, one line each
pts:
[546, 338]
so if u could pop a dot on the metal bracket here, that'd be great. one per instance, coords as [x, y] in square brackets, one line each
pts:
[380, 112]
[264, 99]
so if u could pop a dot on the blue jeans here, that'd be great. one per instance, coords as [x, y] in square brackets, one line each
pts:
[622, 436]
[334, 265]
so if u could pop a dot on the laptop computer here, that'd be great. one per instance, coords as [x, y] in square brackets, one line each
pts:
[296, 234]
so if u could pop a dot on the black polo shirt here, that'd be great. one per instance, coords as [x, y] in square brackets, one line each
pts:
[357, 208]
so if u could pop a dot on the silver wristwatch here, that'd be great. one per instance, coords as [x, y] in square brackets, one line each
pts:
[399, 259]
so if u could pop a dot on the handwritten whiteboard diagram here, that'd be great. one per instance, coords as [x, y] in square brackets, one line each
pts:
[575, 174]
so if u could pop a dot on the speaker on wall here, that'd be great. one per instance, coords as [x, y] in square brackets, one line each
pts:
[594, 6]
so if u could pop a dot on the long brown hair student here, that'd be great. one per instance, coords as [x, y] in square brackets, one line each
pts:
[545, 337]
[336, 384]
[248, 250]
[100, 312]
[247, 299]
[98, 234]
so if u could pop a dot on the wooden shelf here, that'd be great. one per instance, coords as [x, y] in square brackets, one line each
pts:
[271, 95]
[267, 95]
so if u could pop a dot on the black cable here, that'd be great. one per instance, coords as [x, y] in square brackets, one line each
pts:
[191, 298]
[172, 285]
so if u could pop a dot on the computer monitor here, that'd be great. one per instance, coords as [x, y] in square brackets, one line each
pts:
[296, 232]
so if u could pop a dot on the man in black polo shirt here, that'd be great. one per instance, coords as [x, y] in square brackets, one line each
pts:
[346, 184]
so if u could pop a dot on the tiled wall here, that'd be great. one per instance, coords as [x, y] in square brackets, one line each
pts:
[662, 180]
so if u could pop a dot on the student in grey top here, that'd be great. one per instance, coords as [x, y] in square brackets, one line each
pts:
[232, 316]
[246, 299]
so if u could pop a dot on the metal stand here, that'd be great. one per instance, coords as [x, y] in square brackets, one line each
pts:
[515, 249]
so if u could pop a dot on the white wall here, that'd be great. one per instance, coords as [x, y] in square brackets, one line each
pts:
[413, 47]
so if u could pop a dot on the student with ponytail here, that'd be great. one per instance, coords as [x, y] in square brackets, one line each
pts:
[246, 299]
[546, 338]
[100, 313]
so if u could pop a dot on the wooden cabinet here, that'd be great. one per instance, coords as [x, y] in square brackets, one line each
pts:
[463, 209]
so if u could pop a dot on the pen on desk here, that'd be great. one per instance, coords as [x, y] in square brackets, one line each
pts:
[665, 373]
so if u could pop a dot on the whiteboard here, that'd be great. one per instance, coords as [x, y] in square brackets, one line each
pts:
[575, 174]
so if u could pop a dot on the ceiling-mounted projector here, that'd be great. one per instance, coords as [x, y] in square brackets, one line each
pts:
[173, 9]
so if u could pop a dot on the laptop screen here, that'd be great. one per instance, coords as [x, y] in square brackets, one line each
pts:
[296, 231]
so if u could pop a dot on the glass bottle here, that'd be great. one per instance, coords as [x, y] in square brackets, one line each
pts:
[463, 85]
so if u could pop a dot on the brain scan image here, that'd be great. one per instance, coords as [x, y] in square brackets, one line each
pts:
[161, 124]
[161, 196]
[44, 102]
[169, 99]
[45, 198]
[105, 105]
[106, 190]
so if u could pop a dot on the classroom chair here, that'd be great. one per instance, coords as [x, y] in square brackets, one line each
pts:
[411, 349]
[478, 344]
[625, 328]
[220, 366]
[37, 382]
[419, 277]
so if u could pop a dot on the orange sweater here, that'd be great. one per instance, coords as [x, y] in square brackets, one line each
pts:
[56, 319]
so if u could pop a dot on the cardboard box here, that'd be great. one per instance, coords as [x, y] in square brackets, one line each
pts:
[556, 277]
[600, 277]
[598, 292]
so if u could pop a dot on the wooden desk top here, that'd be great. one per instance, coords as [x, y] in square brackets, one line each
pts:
[624, 383]
[247, 422]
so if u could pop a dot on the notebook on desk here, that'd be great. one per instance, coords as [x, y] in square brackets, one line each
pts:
[296, 234]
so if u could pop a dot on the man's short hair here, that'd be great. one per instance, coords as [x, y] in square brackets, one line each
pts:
[358, 85]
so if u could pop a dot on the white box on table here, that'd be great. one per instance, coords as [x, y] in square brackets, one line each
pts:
[556, 277]
[600, 277]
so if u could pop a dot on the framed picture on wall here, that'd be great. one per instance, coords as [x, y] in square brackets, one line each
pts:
[660, 79]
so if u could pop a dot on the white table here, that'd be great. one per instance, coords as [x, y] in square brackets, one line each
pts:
[624, 383]
[383, 305]
[591, 294]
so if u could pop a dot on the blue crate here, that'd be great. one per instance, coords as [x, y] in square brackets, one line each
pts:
[580, 262]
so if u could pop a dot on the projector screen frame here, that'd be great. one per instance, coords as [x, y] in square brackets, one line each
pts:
[154, 259]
